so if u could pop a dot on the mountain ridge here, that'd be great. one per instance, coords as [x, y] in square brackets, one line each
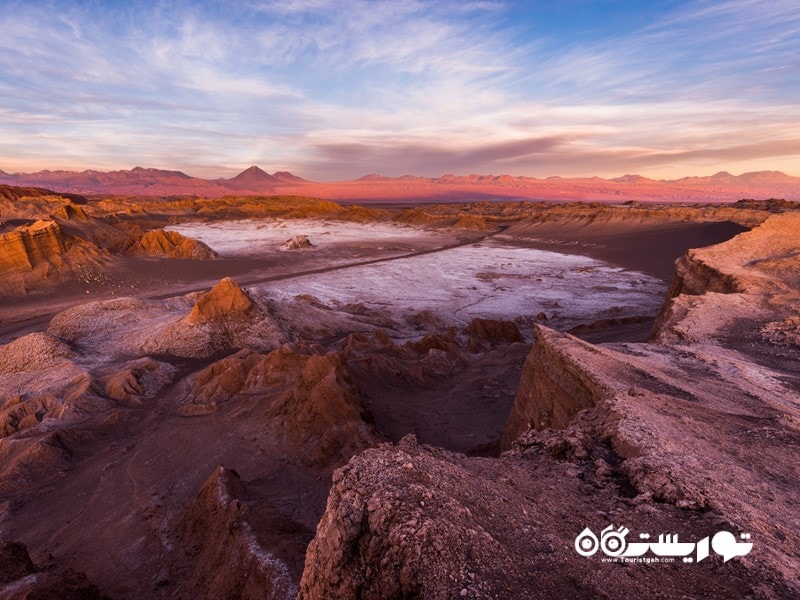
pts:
[721, 186]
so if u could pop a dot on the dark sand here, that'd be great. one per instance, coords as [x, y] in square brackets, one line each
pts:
[649, 248]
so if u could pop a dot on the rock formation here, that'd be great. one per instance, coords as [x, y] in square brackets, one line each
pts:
[226, 556]
[198, 325]
[24, 248]
[137, 381]
[33, 203]
[40, 380]
[472, 222]
[560, 388]
[493, 331]
[169, 244]
[226, 301]
[413, 521]
[222, 319]
[42, 255]
[314, 409]
[68, 244]
[298, 242]
[34, 352]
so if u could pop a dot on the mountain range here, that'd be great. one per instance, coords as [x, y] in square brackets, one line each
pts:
[139, 181]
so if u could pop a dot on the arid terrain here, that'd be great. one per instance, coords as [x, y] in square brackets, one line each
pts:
[249, 396]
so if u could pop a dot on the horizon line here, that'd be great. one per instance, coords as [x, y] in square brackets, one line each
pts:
[373, 174]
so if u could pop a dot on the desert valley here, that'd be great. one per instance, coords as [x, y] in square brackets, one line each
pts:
[399, 299]
[280, 396]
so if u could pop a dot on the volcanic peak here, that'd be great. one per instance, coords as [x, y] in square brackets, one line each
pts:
[251, 176]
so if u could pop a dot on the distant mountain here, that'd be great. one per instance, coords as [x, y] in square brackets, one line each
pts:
[252, 178]
[141, 172]
[139, 181]
[746, 179]
[286, 177]
[632, 179]
[151, 182]
[373, 177]
[136, 181]
[769, 176]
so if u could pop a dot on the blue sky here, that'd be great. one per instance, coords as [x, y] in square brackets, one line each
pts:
[334, 90]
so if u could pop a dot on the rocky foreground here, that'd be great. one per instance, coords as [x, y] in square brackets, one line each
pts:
[694, 432]
[222, 444]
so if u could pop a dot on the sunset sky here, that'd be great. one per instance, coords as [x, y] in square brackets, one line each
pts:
[335, 90]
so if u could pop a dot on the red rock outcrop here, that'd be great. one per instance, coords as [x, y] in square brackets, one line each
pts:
[39, 380]
[552, 390]
[198, 325]
[48, 252]
[24, 248]
[19, 412]
[32, 203]
[321, 412]
[417, 522]
[226, 556]
[69, 212]
[169, 244]
[137, 381]
[226, 301]
[68, 244]
[222, 319]
[313, 407]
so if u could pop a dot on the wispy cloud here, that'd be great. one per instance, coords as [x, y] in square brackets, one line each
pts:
[335, 90]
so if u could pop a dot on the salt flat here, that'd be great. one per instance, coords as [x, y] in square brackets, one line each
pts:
[253, 237]
[490, 279]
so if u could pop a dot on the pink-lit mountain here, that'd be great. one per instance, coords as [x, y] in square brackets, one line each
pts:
[720, 187]
[251, 179]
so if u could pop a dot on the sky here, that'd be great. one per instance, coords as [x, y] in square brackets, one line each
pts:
[333, 90]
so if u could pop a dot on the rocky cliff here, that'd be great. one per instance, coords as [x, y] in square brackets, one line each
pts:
[554, 387]
[216, 531]
[413, 521]
[33, 203]
[697, 431]
[25, 247]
